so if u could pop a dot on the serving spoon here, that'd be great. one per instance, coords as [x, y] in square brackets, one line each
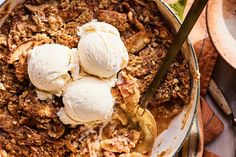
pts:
[141, 114]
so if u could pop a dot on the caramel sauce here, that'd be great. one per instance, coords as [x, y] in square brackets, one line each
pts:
[162, 123]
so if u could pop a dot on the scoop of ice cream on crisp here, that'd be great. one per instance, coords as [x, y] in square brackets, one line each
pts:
[86, 101]
[52, 66]
[101, 50]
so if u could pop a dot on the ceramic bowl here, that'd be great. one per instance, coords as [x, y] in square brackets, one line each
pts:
[170, 141]
[221, 22]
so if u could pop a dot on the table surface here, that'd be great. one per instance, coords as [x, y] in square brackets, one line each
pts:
[222, 145]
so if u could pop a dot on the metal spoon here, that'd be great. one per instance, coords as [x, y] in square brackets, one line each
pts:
[141, 114]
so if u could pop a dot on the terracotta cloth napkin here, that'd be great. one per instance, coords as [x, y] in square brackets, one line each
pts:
[206, 126]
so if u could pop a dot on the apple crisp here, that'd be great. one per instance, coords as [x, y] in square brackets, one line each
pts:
[30, 127]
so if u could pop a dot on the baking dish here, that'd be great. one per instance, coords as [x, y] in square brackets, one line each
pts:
[171, 140]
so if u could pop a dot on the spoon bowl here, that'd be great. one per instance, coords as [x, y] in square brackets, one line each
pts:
[149, 129]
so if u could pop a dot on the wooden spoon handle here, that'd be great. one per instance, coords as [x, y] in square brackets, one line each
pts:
[219, 97]
[221, 101]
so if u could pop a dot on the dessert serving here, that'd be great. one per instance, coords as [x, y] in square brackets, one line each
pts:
[72, 73]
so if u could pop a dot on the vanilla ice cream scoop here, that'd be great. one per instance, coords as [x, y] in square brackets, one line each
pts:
[88, 100]
[101, 50]
[52, 66]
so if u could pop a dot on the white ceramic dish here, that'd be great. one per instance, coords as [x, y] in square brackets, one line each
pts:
[221, 23]
[170, 141]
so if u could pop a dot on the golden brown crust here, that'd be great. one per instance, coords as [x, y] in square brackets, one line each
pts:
[118, 20]
[129, 90]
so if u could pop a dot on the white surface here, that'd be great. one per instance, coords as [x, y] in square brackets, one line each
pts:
[222, 145]
[101, 50]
